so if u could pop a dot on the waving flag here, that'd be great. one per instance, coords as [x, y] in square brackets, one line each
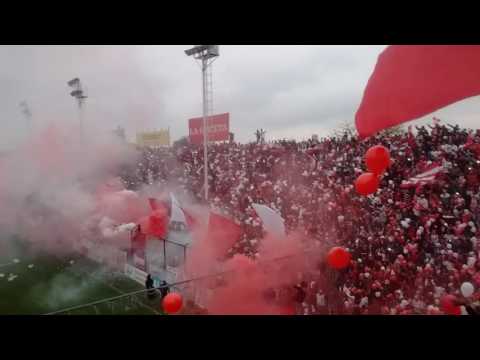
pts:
[177, 214]
[411, 81]
[273, 223]
[155, 224]
[427, 177]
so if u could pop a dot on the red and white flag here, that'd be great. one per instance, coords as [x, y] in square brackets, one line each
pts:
[427, 177]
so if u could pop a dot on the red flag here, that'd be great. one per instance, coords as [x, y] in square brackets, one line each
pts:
[156, 204]
[156, 224]
[159, 223]
[410, 81]
[223, 233]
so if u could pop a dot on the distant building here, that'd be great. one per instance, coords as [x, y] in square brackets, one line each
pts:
[154, 138]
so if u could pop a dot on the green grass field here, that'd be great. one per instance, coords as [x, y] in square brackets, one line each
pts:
[40, 283]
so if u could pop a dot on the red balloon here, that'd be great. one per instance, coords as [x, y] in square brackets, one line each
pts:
[338, 258]
[172, 303]
[377, 159]
[448, 306]
[367, 184]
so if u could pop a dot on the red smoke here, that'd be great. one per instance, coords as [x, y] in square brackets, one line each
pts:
[247, 280]
[48, 188]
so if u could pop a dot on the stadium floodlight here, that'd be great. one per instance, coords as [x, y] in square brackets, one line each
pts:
[205, 53]
[74, 82]
[79, 95]
[76, 93]
[196, 50]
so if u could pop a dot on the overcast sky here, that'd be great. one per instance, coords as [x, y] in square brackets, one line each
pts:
[291, 91]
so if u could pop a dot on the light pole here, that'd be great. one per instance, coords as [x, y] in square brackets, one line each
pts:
[207, 54]
[79, 95]
[25, 109]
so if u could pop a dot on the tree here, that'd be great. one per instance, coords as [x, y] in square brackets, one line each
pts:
[345, 128]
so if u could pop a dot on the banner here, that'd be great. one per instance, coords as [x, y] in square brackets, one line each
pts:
[139, 260]
[154, 138]
[135, 274]
[218, 128]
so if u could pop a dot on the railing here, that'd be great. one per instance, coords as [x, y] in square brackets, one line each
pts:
[138, 297]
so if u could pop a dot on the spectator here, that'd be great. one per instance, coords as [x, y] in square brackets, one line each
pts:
[164, 289]
[406, 242]
[149, 286]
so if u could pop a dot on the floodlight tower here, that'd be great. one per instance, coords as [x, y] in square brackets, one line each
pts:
[79, 95]
[207, 54]
[25, 109]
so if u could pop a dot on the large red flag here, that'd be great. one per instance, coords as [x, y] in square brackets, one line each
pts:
[410, 81]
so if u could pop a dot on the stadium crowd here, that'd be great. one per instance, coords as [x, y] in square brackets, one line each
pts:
[410, 243]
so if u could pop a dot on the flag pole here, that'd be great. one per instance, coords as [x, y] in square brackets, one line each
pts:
[205, 128]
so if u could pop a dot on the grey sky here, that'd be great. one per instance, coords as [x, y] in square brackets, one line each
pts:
[291, 91]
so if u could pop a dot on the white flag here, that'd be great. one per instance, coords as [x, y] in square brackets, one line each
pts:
[273, 223]
[177, 213]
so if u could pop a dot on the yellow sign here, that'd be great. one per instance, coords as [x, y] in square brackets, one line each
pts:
[154, 138]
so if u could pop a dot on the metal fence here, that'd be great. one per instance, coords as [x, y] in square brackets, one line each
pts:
[194, 291]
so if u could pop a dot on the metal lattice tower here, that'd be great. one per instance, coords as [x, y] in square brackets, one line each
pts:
[207, 54]
[209, 93]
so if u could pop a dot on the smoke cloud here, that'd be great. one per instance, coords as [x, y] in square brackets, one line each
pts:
[55, 187]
